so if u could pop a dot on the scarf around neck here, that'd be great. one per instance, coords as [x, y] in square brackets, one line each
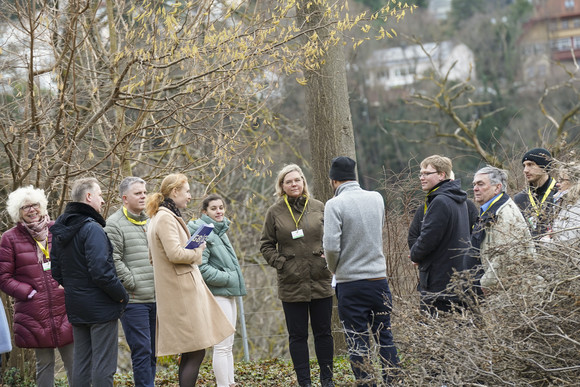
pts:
[171, 206]
[38, 230]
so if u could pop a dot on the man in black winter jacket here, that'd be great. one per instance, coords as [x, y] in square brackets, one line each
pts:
[444, 235]
[536, 201]
[82, 262]
[415, 226]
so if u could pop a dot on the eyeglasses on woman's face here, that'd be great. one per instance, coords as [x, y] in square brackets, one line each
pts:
[425, 174]
[28, 207]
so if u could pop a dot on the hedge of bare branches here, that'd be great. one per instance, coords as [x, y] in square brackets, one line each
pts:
[525, 333]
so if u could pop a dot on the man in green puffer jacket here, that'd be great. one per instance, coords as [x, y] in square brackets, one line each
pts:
[126, 229]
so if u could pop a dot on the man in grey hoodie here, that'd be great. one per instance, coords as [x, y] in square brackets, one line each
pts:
[353, 247]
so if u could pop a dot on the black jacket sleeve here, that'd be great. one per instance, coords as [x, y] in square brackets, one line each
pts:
[100, 265]
[415, 227]
[434, 227]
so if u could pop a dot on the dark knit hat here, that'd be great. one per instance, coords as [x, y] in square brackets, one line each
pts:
[342, 169]
[540, 156]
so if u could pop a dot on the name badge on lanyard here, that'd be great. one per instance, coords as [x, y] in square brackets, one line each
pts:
[297, 234]
[45, 265]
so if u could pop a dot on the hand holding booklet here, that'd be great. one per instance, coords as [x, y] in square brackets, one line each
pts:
[199, 236]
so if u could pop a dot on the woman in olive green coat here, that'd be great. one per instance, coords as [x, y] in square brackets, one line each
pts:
[292, 243]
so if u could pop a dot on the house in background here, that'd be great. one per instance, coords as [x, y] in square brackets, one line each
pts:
[440, 8]
[400, 66]
[551, 35]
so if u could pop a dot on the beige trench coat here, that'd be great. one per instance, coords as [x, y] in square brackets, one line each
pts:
[507, 239]
[188, 317]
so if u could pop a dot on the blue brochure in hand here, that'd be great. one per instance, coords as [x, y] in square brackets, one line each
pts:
[199, 236]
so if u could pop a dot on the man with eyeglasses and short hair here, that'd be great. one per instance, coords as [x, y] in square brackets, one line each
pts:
[444, 237]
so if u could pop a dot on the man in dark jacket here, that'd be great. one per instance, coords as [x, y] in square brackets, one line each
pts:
[444, 235]
[536, 200]
[415, 226]
[82, 262]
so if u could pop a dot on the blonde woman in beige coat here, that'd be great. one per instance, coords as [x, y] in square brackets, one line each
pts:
[188, 317]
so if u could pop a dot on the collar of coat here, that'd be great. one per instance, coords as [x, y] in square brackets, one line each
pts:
[540, 191]
[219, 227]
[79, 208]
[348, 186]
[486, 220]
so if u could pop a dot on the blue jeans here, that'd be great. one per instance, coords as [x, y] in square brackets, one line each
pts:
[320, 311]
[362, 305]
[139, 326]
[95, 354]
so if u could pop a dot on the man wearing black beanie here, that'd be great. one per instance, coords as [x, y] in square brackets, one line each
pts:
[536, 201]
[353, 248]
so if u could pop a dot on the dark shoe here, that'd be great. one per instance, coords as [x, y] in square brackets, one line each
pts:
[326, 383]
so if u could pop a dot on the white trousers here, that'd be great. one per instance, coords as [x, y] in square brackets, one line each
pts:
[223, 356]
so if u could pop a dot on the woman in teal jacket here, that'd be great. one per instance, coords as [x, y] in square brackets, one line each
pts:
[222, 274]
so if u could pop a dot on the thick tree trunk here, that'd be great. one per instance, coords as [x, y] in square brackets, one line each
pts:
[329, 122]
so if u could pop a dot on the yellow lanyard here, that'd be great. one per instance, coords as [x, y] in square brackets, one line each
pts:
[426, 196]
[44, 250]
[291, 213]
[492, 203]
[137, 222]
[538, 207]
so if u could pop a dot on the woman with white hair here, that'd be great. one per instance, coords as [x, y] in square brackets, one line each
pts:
[40, 320]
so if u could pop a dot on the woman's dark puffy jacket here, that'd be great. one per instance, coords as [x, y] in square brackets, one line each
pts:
[39, 322]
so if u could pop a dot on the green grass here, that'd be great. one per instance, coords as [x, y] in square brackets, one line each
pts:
[264, 373]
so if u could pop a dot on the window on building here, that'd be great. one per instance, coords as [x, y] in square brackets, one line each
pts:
[401, 72]
[565, 24]
[561, 44]
[569, 4]
[577, 23]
